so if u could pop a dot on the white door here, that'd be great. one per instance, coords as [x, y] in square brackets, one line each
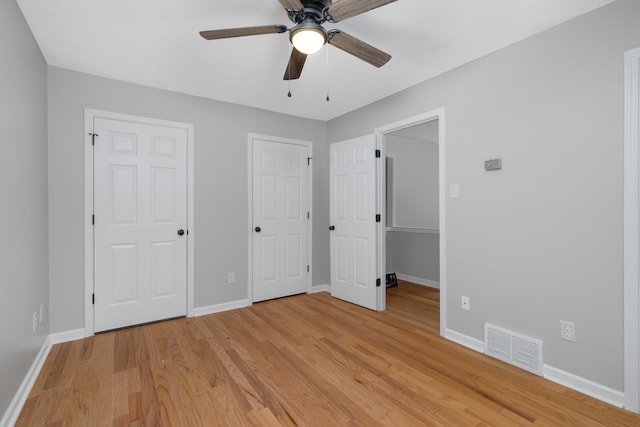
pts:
[140, 230]
[280, 218]
[353, 221]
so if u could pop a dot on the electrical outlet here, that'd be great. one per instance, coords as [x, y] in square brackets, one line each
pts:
[465, 303]
[35, 320]
[41, 312]
[231, 278]
[568, 331]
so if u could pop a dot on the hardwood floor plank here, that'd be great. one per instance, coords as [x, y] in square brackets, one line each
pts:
[125, 354]
[308, 360]
[262, 418]
[133, 407]
[149, 407]
[60, 363]
[121, 421]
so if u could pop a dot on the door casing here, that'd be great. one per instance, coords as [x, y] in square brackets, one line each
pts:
[89, 116]
[632, 231]
[309, 144]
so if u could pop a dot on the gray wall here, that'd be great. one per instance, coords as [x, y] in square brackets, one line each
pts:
[542, 239]
[23, 192]
[415, 182]
[220, 183]
[414, 254]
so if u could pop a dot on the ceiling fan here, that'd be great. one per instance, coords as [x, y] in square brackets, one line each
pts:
[308, 35]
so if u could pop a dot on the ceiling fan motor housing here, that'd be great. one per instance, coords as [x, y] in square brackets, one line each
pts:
[313, 11]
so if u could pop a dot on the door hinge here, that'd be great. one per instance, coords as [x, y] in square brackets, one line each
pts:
[378, 218]
[378, 283]
[93, 220]
[308, 215]
[93, 299]
[308, 269]
[93, 138]
[378, 153]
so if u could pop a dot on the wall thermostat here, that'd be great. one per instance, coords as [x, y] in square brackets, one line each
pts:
[493, 164]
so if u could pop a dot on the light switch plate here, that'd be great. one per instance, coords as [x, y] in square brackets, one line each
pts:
[454, 191]
[493, 164]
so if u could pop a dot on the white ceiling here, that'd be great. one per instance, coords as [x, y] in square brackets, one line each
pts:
[156, 43]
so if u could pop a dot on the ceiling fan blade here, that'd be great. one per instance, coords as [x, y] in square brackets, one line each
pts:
[358, 48]
[294, 67]
[241, 32]
[291, 4]
[343, 9]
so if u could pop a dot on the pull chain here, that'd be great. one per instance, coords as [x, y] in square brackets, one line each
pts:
[327, 49]
[289, 69]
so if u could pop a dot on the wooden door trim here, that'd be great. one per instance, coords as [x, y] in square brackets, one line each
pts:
[89, 116]
[309, 144]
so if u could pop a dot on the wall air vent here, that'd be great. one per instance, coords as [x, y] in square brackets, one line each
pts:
[518, 350]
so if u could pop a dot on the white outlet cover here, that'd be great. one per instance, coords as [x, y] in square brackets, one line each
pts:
[567, 331]
[465, 303]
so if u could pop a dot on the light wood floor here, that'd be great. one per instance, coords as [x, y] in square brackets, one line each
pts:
[307, 360]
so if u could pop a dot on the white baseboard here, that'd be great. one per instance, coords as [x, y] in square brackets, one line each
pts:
[583, 385]
[60, 337]
[569, 380]
[419, 280]
[218, 308]
[320, 288]
[15, 407]
[465, 340]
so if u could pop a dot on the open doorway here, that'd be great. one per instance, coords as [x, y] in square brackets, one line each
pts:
[413, 237]
[413, 220]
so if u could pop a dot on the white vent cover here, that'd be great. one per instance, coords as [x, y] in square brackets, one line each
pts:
[518, 350]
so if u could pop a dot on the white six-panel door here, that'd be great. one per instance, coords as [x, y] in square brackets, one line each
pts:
[352, 221]
[140, 205]
[280, 219]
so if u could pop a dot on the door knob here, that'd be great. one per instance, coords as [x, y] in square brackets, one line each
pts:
[180, 232]
[332, 227]
[258, 229]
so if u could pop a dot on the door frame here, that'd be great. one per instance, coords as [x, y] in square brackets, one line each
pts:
[380, 132]
[309, 145]
[631, 230]
[89, 116]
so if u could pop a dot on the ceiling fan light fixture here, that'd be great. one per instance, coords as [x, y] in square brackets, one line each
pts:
[308, 38]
